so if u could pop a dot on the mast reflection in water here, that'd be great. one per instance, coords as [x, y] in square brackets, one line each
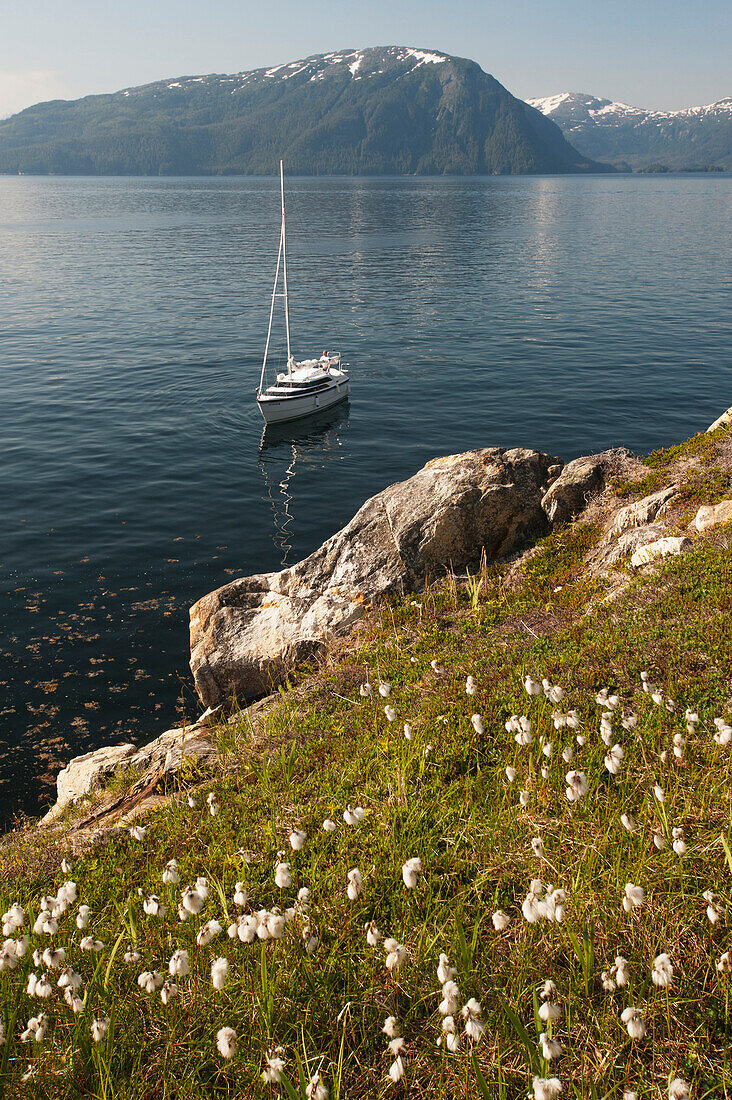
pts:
[311, 442]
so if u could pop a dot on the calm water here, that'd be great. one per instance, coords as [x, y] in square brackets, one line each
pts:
[563, 313]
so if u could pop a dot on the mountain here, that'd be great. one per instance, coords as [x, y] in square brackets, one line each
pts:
[388, 110]
[599, 128]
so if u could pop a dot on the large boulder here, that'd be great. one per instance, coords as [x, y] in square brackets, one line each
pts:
[83, 773]
[709, 515]
[582, 479]
[247, 636]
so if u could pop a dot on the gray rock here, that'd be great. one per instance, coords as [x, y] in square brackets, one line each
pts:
[580, 480]
[723, 421]
[642, 512]
[246, 636]
[662, 548]
[612, 550]
[709, 515]
[83, 773]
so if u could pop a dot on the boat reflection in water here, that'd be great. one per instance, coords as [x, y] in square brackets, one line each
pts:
[308, 443]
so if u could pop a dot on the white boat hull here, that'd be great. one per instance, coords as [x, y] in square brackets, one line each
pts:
[277, 409]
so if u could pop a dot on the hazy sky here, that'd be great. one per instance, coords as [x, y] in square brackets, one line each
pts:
[662, 54]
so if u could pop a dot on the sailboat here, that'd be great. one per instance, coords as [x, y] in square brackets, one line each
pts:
[308, 385]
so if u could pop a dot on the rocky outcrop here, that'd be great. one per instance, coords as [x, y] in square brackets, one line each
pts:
[161, 758]
[247, 635]
[709, 515]
[613, 549]
[581, 479]
[642, 512]
[723, 421]
[662, 548]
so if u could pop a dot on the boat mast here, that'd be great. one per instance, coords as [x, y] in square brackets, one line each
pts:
[284, 269]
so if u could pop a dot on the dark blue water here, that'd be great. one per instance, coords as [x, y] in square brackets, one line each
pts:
[566, 314]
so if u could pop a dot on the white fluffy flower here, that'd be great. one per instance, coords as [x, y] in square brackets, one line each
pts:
[537, 847]
[411, 871]
[396, 953]
[477, 723]
[389, 712]
[628, 823]
[137, 832]
[470, 687]
[449, 1004]
[150, 981]
[679, 1090]
[316, 1090]
[714, 910]
[355, 883]
[546, 1088]
[391, 1026]
[297, 839]
[471, 1015]
[577, 786]
[153, 906]
[283, 875]
[170, 873]
[634, 897]
[500, 920]
[550, 1048]
[384, 689]
[633, 1021]
[614, 759]
[445, 972]
[373, 935]
[219, 972]
[208, 932]
[365, 689]
[82, 917]
[662, 971]
[226, 1042]
[179, 965]
[99, 1028]
[510, 774]
[272, 1073]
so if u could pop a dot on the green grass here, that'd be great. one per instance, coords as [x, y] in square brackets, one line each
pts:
[444, 796]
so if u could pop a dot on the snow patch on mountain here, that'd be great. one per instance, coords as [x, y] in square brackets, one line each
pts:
[576, 108]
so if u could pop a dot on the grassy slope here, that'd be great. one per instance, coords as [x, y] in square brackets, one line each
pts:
[443, 796]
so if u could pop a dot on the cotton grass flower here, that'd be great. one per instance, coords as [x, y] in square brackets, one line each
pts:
[329, 826]
[137, 832]
[390, 712]
[283, 875]
[546, 1088]
[169, 990]
[471, 1015]
[391, 1026]
[678, 1089]
[633, 1020]
[153, 907]
[219, 972]
[524, 797]
[297, 839]
[365, 689]
[192, 900]
[551, 1049]
[628, 823]
[179, 964]
[537, 847]
[445, 972]
[170, 874]
[82, 917]
[131, 956]
[99, 1028]
[470, 686]
[355, 884]
[411, 871]
[396, 953]
[449, 1036]
[634, 898]
[658, 793]
[384, 689]
[577, 786]
[90, 944]
[373, 935]
[714, 910]
[150, 981]
[397, 1069]
[316, 1090]
[662, 972]
[477, 723]
[226, 1042]
[614, 759]
[407, 731]
[208, 932]
[500, 920]
[450, 1003]
[272, 1073]
[724, 964]
[510, 774]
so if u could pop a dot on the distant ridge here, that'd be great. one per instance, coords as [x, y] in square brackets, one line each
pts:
[600, 128]
[386, 110]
